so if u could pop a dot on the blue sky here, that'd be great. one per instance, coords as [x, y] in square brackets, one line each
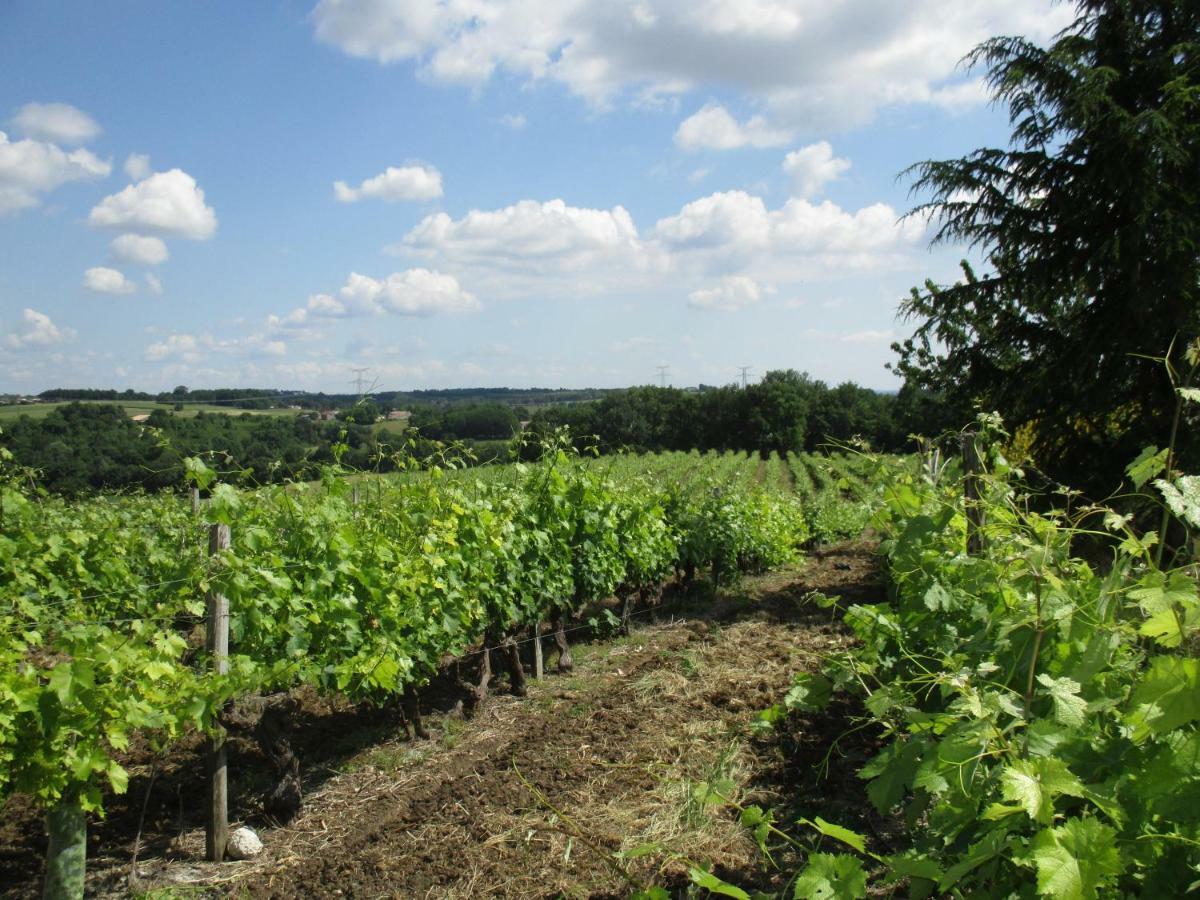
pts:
[473, 192]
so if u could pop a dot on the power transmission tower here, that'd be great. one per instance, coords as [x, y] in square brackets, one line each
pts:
[360, 383]
[663, 372]
[745, 370]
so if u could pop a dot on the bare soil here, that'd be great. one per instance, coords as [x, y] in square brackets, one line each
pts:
[533, 797]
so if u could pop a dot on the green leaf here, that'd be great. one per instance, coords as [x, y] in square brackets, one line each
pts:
[224, 504]
[1189, 393]
[1069, 708]
[1167, 697]
[838, 833]
[1150, 462]
[1073, 861]
[61, 683]
[195, 471]
[117, 777]
[831, 877]
[156, 669]
[712, 883]
[1182, 497]
[1033, 784]
[809, 691]
[639, 851]
[911, 865]
[892, 772]
[938, 598]
[986, 848]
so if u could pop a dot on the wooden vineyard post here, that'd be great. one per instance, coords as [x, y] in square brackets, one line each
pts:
[217, 644]
[973, 508]
[537, 650]
[354, 495]
[195, 492]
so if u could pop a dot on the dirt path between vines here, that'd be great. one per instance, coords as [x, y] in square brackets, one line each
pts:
[532, 797]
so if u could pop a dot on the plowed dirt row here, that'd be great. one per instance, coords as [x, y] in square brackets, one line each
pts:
[535, 797]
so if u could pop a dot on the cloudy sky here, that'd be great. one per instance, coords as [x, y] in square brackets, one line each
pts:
[474, 192]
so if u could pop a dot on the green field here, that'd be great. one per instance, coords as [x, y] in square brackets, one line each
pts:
[140, 407]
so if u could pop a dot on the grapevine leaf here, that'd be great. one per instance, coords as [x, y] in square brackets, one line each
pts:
[1167, 696]
[1169, 628]
[224, 504]
[711, 882]
[892, 772]
[1182, 497]
[986, 848]
[1033, 784]
[157, 669]
[195, 471]
[911, 864]
[118, 778]
[831, 877]
[759, 821]
[1074, 860]
[1114, 521]
[838, 833]
[639, 851]
[1189, 393]
[938, 598]
[809, 691]
[1150, 462]
[1069, 708]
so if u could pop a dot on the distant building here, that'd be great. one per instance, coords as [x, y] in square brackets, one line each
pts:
[399, 415]
[143, 417]
[327, 415]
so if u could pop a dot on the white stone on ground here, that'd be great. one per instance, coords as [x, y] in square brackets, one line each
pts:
[243, 844]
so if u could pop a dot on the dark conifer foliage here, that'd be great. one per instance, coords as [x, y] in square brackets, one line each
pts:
[1090, 224]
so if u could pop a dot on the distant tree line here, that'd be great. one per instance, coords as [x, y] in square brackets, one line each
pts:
[80, 448]
[236, 398]
[274, 398]
[787, 411]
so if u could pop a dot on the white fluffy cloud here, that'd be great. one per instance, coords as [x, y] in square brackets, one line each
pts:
[137, 166]
[739, 225]
[812, 167]
[529, 236]
[189, 349]
[713, 128]
[37, 330]
[30, 168]
[181, 347]
[812, 65]
[59, 123]
[139, 250]
[410, 182]
[733, 293]
[551, 249]
[153, 284]
[103, 280]
[169, 204]
[727, 219]
[414, 292]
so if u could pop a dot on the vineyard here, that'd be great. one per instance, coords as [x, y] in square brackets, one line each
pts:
[366, 591]
[1022, 721]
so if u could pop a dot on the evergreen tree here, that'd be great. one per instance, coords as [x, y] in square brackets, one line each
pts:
[1090, 223]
